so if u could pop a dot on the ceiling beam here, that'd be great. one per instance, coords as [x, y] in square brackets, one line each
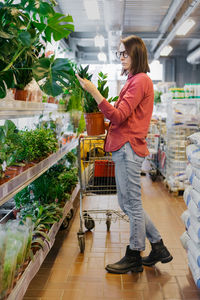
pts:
[170, 15]
[181, 17]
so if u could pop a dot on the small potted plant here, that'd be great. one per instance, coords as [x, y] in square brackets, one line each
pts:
[93, 117]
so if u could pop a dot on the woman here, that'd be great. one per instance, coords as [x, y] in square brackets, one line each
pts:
[129, 123]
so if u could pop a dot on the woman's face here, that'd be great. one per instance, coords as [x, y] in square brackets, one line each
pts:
[125, 61]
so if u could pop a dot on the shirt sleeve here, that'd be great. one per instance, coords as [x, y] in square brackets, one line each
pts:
[129, 101]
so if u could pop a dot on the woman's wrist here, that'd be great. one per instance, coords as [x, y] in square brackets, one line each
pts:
[97, 96]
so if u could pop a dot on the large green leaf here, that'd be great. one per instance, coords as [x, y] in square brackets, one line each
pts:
[2, 90]
[9, 126]
[59, 26]
[54, 73]
[25, 38]
[45, 9]
[39, 26]
[2, 135]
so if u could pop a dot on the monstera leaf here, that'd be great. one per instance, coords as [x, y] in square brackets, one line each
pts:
[59, 26]
[53, 73]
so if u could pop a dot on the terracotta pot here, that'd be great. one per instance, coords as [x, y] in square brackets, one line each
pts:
[94, 123]
[21, 95]
[15, 212]
[51, 99]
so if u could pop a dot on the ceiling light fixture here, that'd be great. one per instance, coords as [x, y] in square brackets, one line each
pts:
[92, 9]
[102, 56]
[185, 27]
[99, 41]
[166, 50]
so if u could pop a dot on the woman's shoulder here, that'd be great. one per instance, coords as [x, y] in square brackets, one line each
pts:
[141, 78]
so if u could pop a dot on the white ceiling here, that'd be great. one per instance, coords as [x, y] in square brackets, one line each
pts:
[154, 21]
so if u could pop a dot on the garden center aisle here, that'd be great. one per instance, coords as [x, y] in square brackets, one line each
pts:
[67, 274]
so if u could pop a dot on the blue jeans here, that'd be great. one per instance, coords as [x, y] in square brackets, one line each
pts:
[127, 174]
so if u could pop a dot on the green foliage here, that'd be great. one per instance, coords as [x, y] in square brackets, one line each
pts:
[54, 185]
[37, 144]
[10, 143]
[71, 159]
[81, 125]
[89, 103]
[54, 72]
[157, 97]
[22, 28]
[42, 214]
[68, 179]
[23, 198]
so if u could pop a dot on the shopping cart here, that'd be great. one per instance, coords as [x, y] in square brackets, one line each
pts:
[153, 144]
[97, 176]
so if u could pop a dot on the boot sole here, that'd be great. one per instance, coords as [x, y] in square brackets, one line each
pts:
[163, 261]
[133, 269]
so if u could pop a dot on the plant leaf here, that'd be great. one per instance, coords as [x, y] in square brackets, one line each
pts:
[39, 26]
[54, 74]
[2, 90]
[59, 26]
[46, 9]
[25, 38]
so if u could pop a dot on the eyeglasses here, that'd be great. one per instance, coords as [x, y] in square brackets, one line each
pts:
[122, 53]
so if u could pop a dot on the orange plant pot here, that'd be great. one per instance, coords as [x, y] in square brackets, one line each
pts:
[94, 123]
[21, 95]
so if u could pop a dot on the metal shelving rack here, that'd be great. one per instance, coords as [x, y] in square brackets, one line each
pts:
[33, 267]
[182, 121]
[10, 188]
[18, 109]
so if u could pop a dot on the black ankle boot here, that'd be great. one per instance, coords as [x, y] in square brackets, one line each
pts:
[132, 261]
[158, 253]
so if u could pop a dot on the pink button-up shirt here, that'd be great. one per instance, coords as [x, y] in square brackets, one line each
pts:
[131, 115]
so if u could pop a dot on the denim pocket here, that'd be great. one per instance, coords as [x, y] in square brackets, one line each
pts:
[131, 155]
[118, 154]
[138, 158]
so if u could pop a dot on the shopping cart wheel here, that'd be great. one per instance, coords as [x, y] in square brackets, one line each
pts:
[108, 221]
[153, 174]
[65, 223]
[70, 214]
[81, 241]
[88, 221]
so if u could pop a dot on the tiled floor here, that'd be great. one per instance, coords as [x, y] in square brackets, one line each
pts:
[67, 274]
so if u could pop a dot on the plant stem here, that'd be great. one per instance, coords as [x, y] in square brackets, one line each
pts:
[13, 60]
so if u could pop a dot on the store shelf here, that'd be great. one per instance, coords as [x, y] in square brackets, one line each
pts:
[20, 289]
[16, 184]
[16, 109]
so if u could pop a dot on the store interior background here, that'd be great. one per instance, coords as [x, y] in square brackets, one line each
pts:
[156, 22]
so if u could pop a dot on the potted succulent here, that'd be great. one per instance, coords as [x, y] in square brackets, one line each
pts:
[23, 26]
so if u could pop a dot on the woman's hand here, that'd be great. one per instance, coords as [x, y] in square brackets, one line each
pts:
[90, 88]
[86, 84]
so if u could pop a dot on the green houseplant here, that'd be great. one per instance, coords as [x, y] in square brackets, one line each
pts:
[23, 29]
[93, 117]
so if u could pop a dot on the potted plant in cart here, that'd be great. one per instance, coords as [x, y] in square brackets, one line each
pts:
[93, 117]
